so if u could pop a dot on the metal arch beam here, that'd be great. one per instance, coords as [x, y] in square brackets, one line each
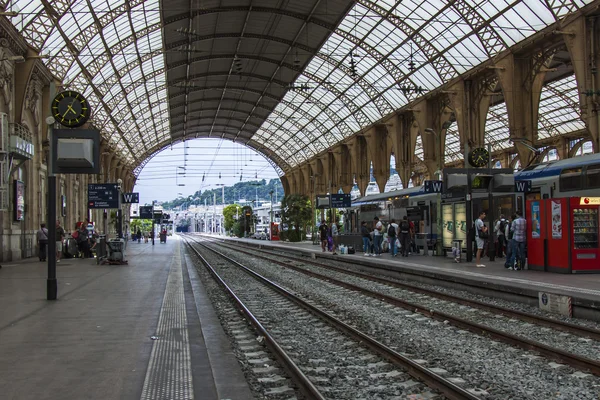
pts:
[444, 68]
[110, 57]
[278, 113]
[338, 122]
[263, 59]
[74, 50]
[139, 56]
[234, 110]
[249, 75]
[488, 36]
[276, 161]
[366, 86]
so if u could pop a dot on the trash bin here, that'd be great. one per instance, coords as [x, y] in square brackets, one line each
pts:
[101, 248]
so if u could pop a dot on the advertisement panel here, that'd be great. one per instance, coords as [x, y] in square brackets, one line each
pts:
[556, 220]
[535, 219]
[19, 203]
[448, 225]
[460, 219]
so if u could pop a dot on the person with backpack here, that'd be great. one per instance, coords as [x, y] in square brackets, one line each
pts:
[405, 236]
[391, 234]
[323, 234]
[377, 237]
[481, 235]
[499, 230]
[42, 239]
[366, 238]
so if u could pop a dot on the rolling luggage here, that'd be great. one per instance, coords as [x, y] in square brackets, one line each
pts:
[70, 249]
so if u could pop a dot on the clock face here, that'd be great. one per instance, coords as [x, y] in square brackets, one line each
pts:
[70, 109]
[479, 157]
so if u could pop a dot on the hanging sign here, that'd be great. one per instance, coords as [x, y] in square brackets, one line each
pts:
[104, 195]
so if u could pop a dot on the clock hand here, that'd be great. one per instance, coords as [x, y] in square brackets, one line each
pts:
[71, 108]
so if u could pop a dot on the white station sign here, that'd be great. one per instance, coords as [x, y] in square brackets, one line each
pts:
[589, 201]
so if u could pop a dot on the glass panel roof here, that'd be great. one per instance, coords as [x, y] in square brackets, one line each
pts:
[112, 51]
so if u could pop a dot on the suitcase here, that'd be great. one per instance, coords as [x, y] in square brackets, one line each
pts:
[351, 250]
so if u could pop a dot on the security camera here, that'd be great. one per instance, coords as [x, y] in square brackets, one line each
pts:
[119, 183]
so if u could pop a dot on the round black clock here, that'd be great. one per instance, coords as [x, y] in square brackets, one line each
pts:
[479, 157]
[70, 109]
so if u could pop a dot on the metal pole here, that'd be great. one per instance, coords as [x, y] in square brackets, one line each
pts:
[51, 282]
[469, 206]
[491, 213]
[438, 207]
[271, 218]
[152, 235]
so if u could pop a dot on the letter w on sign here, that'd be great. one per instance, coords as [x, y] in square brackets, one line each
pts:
[433, 186]
[131, 198]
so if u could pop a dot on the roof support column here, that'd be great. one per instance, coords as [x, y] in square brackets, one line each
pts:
[433, 114]
[404, 141]
[307, 184]
[325, 172]
[522, 79]
[471, 103]
[360, 162]
[582, 38]
[343, 161]
[380, 148]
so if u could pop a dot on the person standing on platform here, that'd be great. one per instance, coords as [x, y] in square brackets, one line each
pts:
[499, 229]
[42, 239]
[392, 234]
[334, 236]
[60, 235]
[508, 234]
[139, 235]
[405, 236]
[323, 233]
[481, 233]
[519, 230]
[366, 237]
[377, 237]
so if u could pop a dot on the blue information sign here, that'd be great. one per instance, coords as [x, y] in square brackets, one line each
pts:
[340, 200]
[105, 195]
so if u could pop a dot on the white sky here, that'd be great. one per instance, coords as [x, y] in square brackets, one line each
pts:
[162, 178]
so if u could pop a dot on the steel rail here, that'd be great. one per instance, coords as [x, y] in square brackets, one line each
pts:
[582, 331]
[574, 360]
[433, 380]
[300, 379]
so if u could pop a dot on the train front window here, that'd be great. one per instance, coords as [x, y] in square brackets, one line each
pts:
[571, 179]
[593, 176]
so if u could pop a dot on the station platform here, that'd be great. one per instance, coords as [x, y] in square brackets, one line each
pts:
[521, 286]
[95, 341]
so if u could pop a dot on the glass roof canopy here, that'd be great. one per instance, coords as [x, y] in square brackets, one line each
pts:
[112, 51]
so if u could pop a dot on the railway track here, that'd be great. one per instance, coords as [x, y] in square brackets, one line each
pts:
[325, 357]
[475, 316]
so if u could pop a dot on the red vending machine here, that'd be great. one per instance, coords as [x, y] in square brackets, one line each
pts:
[562, 234]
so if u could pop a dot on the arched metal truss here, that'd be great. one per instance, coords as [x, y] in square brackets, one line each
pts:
[127, 56]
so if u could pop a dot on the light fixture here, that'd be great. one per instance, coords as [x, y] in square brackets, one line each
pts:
[16, 59]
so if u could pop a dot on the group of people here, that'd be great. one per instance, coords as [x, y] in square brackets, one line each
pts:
[85, 240]
[399, 236]
[511, 234]
[329, 236]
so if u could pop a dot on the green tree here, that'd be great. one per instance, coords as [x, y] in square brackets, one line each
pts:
[231, 213]
[144, 225]
[296, 212]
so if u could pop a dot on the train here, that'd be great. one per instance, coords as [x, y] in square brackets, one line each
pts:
[571, 177]
[577, 177]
